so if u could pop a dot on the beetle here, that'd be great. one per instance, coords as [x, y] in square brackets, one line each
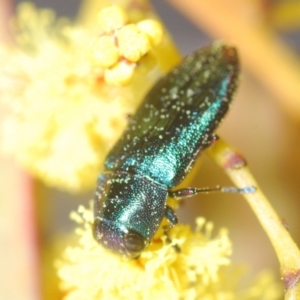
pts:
[173, 124]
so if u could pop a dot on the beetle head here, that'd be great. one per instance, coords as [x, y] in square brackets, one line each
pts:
[128, 210]
[118, 238]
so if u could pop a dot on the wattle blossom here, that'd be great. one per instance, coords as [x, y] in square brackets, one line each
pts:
[70, 90]
[201, 270]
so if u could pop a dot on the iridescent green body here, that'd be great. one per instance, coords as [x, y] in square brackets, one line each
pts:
[174, 123]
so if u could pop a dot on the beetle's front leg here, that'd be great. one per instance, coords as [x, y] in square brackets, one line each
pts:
[173, 220]
[171, 217]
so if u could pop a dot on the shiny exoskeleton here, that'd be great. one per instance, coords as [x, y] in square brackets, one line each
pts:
[173, 124]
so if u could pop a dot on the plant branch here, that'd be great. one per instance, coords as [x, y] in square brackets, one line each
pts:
[287, 251]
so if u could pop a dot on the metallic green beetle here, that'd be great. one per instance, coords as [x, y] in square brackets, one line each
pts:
[173, 124]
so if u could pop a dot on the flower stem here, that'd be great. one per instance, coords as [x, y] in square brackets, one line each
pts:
[287, 251]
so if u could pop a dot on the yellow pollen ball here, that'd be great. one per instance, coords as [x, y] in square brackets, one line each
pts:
[120, 74]
[133, 43]
[112, 18]
[153, 29]
[105, 52]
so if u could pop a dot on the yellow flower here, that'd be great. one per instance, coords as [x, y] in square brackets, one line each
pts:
[201, 270]
[64, 86]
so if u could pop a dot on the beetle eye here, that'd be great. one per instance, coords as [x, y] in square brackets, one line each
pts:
[134, 243]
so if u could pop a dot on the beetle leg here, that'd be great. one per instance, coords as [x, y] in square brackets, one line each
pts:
[172, 218]
[215, 137]
[189, 192]
[128, 117]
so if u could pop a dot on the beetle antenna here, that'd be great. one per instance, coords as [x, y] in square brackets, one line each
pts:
[190, 191]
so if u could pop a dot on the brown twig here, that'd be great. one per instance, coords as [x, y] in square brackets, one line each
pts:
[287, 251]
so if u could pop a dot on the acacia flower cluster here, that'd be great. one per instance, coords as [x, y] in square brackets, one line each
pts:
[201, 270]
[70, 90]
